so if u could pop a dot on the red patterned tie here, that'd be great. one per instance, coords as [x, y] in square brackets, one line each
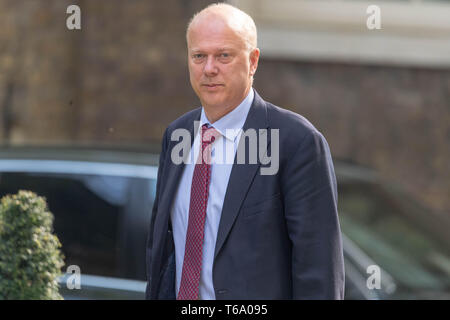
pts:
[192, 264]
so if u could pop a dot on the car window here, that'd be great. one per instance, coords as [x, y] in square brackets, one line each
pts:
[100, 220]
[397, 243]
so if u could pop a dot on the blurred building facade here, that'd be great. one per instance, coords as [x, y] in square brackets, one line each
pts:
[122, 78]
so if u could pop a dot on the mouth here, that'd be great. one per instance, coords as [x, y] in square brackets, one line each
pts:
[212, 85]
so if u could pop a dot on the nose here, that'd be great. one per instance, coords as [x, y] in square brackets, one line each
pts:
[210, 69]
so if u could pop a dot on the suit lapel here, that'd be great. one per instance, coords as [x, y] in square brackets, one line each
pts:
[175, 170]
[241, 175]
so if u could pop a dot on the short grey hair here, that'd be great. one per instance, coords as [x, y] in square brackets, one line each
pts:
[240, 21]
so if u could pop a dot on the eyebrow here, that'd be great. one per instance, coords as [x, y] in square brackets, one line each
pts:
[220, 49]
[225, 49]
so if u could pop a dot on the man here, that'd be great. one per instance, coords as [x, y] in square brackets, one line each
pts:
[226, 230]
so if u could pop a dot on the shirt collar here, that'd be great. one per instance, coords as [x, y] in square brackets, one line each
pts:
[232, 120]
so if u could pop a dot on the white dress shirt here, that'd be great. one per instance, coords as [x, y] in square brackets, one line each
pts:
[229, 127]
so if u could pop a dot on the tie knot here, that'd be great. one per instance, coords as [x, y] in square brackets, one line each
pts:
[209, 134]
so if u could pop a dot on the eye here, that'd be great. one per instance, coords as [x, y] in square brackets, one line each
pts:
[225, 56]
[197, 56]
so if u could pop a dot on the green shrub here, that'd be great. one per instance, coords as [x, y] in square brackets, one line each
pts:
[30, 259]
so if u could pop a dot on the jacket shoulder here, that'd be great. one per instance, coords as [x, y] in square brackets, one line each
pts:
[289, 122]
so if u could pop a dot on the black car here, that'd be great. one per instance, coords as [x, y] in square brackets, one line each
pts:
[389, 229]
[102, 204]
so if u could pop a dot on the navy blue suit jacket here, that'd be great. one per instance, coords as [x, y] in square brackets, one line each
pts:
[279, 235]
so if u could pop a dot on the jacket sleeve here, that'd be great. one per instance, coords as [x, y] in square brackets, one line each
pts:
[310, 199]
[162, 156]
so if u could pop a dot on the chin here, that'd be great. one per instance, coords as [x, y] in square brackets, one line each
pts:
[212, 102]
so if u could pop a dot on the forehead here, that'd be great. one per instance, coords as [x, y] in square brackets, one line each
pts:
[214, 34]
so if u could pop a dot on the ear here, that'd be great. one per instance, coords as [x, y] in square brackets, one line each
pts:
[254, 58]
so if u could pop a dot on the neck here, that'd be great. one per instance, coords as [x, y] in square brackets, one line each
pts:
[214, 113]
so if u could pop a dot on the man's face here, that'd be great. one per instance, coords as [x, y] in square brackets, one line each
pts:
[220, 65]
